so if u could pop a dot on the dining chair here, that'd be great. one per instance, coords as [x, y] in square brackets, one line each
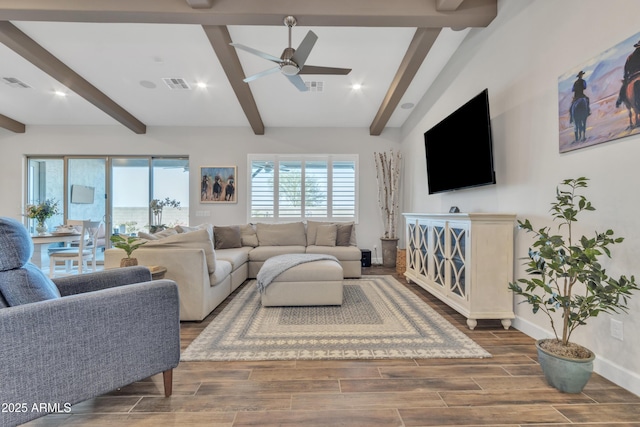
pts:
[82, 253]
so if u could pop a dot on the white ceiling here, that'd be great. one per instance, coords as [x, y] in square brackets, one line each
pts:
[117, 57]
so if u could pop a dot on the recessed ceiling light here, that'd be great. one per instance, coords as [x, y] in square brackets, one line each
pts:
[407, 105]
[148, 84]
[201, 85]
[356, 86]
[60, 93]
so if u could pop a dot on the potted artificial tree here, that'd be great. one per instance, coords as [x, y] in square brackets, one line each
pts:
[157, 206]
[567, 277]
[127, 244]
[388, 177]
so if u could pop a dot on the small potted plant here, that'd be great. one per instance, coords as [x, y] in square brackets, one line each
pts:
[42, 212]
[567, 277]
[127, 244]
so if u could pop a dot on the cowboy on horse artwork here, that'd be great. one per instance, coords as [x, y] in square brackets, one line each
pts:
[580, 109]
[630, 89]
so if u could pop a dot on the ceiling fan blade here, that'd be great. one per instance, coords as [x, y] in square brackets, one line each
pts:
[256, 52]
[312, 69]
[261, 74]
[298, 82]
[302, 52]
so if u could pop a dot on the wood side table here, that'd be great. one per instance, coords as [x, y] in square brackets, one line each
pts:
[157, 271]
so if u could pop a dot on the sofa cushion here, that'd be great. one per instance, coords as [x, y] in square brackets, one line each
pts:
[16, 246]
[248, 235]
[287, 234]
[200, 239]
[20, 281]
[223, 269]
[236, 256]
[326, 235]
[25, 285]
[227, 237]
[343, 253]
[262, 253]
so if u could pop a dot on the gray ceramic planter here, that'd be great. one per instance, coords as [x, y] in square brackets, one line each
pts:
[565, 374]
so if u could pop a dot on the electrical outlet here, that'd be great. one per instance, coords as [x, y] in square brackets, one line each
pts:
[375, 247]
[617, 330]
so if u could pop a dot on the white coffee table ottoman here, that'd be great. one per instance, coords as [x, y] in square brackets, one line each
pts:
[311, 283]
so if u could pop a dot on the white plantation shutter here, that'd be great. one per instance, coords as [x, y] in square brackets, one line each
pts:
[297, 187]
[344, 189]
[262, 186]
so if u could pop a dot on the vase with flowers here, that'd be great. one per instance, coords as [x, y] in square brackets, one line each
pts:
[41, 212]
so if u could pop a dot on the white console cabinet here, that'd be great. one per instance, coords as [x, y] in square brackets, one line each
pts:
[464, 259]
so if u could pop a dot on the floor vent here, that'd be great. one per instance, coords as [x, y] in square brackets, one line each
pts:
[177, 83]
[315, 86]
[13, 82]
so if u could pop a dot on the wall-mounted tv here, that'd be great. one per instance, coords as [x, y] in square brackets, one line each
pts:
[459, 149]
[82, 194]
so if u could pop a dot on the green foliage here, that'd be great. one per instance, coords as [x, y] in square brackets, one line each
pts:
[157, 206]
[126, 243]
[558, 262]
[42, 211]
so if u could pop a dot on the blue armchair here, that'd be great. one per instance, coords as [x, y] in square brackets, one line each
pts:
[85, 336]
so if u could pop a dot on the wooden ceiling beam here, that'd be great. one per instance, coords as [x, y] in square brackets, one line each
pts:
[422, 41]
[333, 13]
[448, 5]
[200, 4]
[26, 47]
[12, 125]
[220, 38]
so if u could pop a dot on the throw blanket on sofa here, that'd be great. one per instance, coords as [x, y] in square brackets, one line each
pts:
[278, 264]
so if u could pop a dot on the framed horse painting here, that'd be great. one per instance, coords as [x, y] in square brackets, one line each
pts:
[218, 184]
[599, 100]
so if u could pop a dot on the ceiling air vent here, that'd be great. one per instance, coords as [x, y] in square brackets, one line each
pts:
[177, 83]
[315, 86]
[13, 82]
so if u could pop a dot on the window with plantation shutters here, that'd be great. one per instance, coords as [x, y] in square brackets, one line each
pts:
[297, 187]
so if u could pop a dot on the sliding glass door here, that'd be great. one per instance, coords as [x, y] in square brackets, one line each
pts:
[116, 190]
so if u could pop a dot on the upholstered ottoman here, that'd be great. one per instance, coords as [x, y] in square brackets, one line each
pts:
[311, 283]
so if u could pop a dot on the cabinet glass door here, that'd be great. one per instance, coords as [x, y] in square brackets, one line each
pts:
[423, 252]
[439, 235]
[456, 265]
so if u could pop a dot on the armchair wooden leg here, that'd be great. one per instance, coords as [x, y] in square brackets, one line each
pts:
[168, 382]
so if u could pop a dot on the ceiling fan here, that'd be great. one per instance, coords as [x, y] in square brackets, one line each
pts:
[292, 61]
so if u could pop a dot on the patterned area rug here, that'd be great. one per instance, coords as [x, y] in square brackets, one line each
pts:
[379, 319]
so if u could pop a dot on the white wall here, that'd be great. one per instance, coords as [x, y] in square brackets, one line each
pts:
[519, 58]
[205, 147]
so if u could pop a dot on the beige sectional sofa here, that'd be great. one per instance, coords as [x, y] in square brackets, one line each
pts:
[209, 262]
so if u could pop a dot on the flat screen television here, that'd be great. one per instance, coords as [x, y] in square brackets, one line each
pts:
[459, 149]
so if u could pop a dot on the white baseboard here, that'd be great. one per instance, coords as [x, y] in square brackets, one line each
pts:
[608, 369]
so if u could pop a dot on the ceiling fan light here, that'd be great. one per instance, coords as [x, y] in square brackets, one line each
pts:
[289, 70]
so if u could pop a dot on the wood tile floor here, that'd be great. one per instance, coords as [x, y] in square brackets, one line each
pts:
[507, 390]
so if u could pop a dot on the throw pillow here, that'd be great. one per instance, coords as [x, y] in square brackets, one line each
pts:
[248, 235]
[227, 237]
[343, 237]
[186, 229]
[147, 236]
[166, 233]
[326, 235]
[288, 234]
